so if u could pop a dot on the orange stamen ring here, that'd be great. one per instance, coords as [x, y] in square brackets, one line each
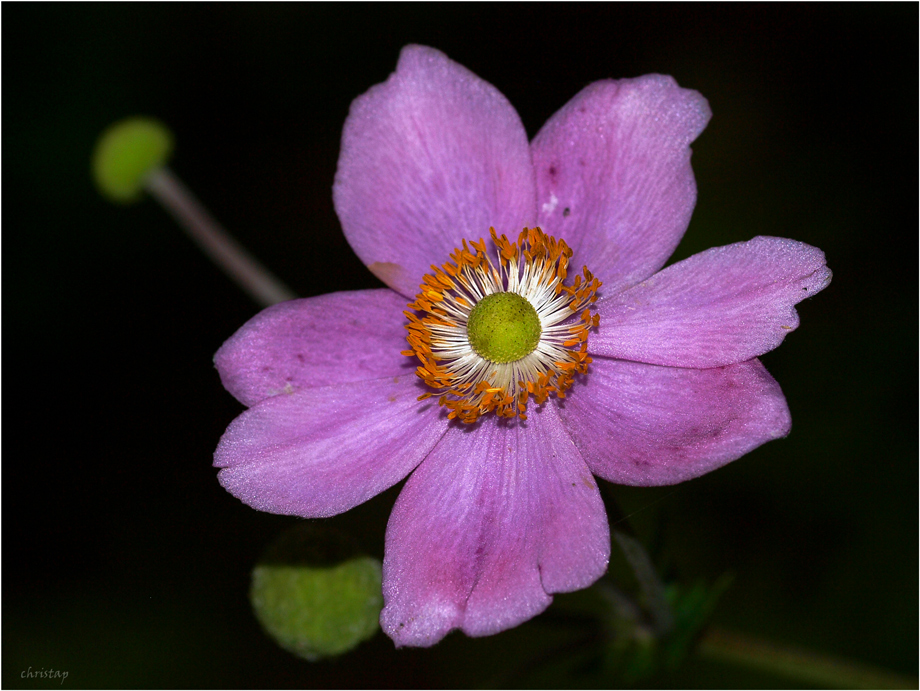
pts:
[467, 383]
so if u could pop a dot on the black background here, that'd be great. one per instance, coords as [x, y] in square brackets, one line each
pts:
[126, 564]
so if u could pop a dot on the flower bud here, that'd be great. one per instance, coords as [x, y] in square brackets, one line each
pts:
[126, 153]
[315, 594]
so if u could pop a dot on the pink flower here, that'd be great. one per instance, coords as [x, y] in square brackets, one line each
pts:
[500, 513]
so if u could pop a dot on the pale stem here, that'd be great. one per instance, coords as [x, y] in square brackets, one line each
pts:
[641, 564]
[803, 665]
[651, 584]
[261, 285]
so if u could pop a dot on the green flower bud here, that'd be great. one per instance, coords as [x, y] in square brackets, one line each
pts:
[126, 153]
[315, 594]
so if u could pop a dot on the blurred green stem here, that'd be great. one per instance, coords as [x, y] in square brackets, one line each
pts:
[800, 665]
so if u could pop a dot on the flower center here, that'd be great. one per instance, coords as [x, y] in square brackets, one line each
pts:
[503, 327]
[492, 335]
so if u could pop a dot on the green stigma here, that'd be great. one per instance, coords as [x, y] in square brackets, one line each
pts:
[126, 153]
[503, 327]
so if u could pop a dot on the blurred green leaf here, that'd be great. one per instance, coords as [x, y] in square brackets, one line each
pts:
[693, 607]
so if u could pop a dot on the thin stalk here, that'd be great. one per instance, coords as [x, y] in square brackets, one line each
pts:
[801, 665]
[641, 564]
[261, 285]
[652, 587]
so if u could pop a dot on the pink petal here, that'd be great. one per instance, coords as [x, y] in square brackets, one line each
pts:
[322, 451]
[497, 517]
[725, 305]
[331, 339]
[614, 177]
[638, 424]
[430, 157]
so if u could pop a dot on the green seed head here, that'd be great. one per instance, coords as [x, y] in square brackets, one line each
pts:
[126, 153]
[503, 327]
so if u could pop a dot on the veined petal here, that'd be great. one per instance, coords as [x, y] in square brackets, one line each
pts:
[319, 341]
[614, 176]
[319, 452]
[430, 157]
[497, 517]
[644, 425]
[725, 305]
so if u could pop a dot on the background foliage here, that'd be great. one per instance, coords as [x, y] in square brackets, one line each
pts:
[126, 564]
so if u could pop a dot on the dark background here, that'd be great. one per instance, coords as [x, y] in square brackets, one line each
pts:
[124, 562]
